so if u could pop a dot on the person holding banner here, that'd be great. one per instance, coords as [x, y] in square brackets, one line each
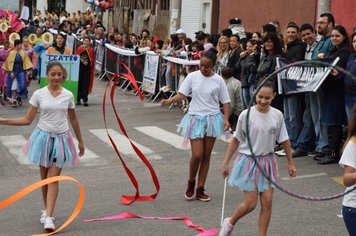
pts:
[59, 46]
[267, 127]
[204, 122]
[51, 144]
[86, 70]
[333, 107]
[325, 24]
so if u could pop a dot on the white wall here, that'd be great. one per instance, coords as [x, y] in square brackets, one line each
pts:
[190, 17]
[42, 6]
[71, 6]
[75, 5]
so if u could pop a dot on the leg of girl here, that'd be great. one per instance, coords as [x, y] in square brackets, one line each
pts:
[266, 211]
[197, 146]
[208, 144]
[249, 204]
[49, 194]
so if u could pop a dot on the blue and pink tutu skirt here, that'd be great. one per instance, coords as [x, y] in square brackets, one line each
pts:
[44, 149]
[196, 126]
[246, 176]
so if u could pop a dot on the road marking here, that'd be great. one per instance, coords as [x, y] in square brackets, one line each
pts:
[164, 136]
[123, 144]
[89, 158]
[339, 180]
[305, 176]
[14, 144]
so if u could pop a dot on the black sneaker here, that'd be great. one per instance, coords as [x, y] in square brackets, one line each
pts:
[312, 154]
[299, 153]
[319, 156]
[329, 159]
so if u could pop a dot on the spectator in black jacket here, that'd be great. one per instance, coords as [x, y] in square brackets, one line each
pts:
[272, 49]
[234, 55]
[293, 104]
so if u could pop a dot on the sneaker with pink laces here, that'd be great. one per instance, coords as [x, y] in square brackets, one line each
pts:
[189, 193]
[200, 195]
[226, 228]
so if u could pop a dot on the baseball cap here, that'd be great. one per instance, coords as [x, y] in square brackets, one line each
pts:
[180, 31]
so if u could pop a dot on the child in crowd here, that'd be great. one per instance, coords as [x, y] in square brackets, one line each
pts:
[266, 125]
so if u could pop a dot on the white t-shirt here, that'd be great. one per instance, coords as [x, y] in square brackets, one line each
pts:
[206, 93]
[348, 158]
[265, 129]
[54, 110]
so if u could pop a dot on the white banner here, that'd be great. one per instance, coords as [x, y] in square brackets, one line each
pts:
[125, 52]
[150, 73]
[183, 62]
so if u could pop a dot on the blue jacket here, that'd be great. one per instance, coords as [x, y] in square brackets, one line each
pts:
[324, 46]
[349, 82]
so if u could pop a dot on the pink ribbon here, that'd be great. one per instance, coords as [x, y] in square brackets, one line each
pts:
[186, 220]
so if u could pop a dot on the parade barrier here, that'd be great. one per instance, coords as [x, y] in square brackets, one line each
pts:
[133, 61]
[17, 196]
[146, 68]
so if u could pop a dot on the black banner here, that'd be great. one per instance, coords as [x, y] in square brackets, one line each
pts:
[301, 78]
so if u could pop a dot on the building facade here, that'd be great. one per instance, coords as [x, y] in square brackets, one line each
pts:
[255, 13]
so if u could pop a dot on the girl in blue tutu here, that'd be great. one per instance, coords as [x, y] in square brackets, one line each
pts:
[266, 127]
[51, 144]
[204, 122]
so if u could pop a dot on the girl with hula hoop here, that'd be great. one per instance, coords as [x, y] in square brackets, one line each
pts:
[266, 125]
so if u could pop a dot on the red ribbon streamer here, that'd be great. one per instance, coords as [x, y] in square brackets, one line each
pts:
[125, 199]
[186, 220]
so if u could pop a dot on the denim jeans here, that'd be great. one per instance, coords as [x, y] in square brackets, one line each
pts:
[321, 131]
[350, 103]
[306, 140]
[349, 215]
[21, 82]
[293, 111]
[246, 96]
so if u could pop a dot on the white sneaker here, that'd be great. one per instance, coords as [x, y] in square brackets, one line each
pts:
[226, 228]
[48, 224]
[166, 89]
[43, 216]
[281, 153]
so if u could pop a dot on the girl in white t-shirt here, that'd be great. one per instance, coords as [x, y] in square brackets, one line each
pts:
[204, 122]
[51, 145]
[348, 161]
[266, 126]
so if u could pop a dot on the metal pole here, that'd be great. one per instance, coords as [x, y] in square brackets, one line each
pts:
[174, 15]
[323, 7]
